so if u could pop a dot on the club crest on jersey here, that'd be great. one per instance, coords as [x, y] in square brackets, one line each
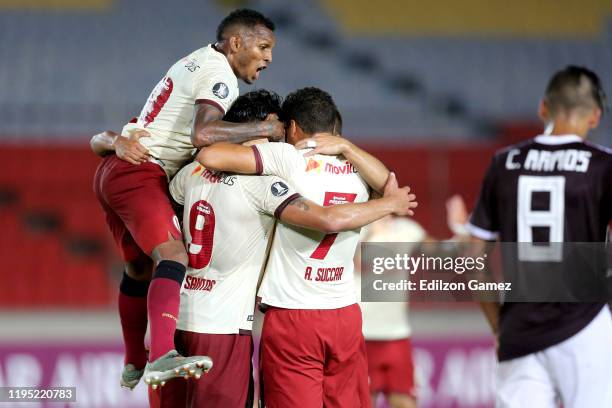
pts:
[279, 189]
[220, 90]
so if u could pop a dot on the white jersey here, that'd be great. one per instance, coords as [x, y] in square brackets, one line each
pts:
[204, 76]
[226, 222]
[309, 269]
[389, 320]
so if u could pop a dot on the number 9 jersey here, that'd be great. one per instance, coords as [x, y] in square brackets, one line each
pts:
[227, 221]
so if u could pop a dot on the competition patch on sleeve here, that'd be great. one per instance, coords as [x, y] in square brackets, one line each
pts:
[279, 189]
[220, 90]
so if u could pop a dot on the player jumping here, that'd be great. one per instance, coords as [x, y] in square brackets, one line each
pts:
[182, 113]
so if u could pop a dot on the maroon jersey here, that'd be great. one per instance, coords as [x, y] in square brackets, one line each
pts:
[551, 189]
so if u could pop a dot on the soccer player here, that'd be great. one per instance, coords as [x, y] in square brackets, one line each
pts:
[182, 113]
[312, 348]
[386, 325]
[555, 188]
[227, 221]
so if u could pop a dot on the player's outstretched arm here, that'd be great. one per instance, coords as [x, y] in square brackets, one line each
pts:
[369, 167]
[209, 128]
[229, 157]
[478, 248]
[126, 148]
[344, 217]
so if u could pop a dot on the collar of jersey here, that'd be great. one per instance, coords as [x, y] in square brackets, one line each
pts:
[212, 47]
[558, 139]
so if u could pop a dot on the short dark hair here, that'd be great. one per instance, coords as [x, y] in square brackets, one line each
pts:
[574, 88]
[243, 17]
[312, 109]
[253, 106]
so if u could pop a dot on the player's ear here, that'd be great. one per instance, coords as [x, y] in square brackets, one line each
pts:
[290, 132]
[595, 118]
[235, 42]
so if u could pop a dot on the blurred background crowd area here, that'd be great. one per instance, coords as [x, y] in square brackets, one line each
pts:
[432, 88]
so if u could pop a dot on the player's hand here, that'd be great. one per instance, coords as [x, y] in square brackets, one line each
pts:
[276, 132]
[403, 201]
[129, 148]
[457, 215]
[324, 143]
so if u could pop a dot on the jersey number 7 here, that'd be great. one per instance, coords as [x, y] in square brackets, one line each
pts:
[331, 198]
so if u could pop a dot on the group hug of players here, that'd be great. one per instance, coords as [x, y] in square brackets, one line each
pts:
[270, 199]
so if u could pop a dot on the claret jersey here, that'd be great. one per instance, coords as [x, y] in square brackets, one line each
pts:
[547, 189]
[204, 76]
[309, 269]
[227, 221]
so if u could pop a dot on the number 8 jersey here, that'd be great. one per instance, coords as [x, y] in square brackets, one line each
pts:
[547, 189]
[308, 269]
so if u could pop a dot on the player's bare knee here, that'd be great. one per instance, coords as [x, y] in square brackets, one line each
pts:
[171, 251]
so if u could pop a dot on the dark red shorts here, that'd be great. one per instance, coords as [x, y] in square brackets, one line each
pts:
[136, 201]
[229, 384]
[390, 367]
[314, 358]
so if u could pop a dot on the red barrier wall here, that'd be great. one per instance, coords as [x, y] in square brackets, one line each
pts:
[58, 180]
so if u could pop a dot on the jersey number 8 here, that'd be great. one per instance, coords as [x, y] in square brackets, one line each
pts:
[553, 219]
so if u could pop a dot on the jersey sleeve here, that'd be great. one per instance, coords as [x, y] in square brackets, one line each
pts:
[268, 194]
[178, 185]
[277, 159]
[215, 85]
[484, 222]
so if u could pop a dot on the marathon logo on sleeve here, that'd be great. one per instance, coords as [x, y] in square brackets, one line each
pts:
[195, 283]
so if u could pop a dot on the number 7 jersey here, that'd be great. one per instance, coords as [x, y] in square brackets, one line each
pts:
[308, 269]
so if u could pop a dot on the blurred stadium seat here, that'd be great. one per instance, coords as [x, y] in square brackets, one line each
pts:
[69, 76]
[54, 231]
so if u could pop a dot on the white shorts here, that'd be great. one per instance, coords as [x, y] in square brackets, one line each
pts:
[576, 372]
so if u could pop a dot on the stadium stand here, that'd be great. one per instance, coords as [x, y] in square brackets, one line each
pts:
[69, 76]
[440, 101]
